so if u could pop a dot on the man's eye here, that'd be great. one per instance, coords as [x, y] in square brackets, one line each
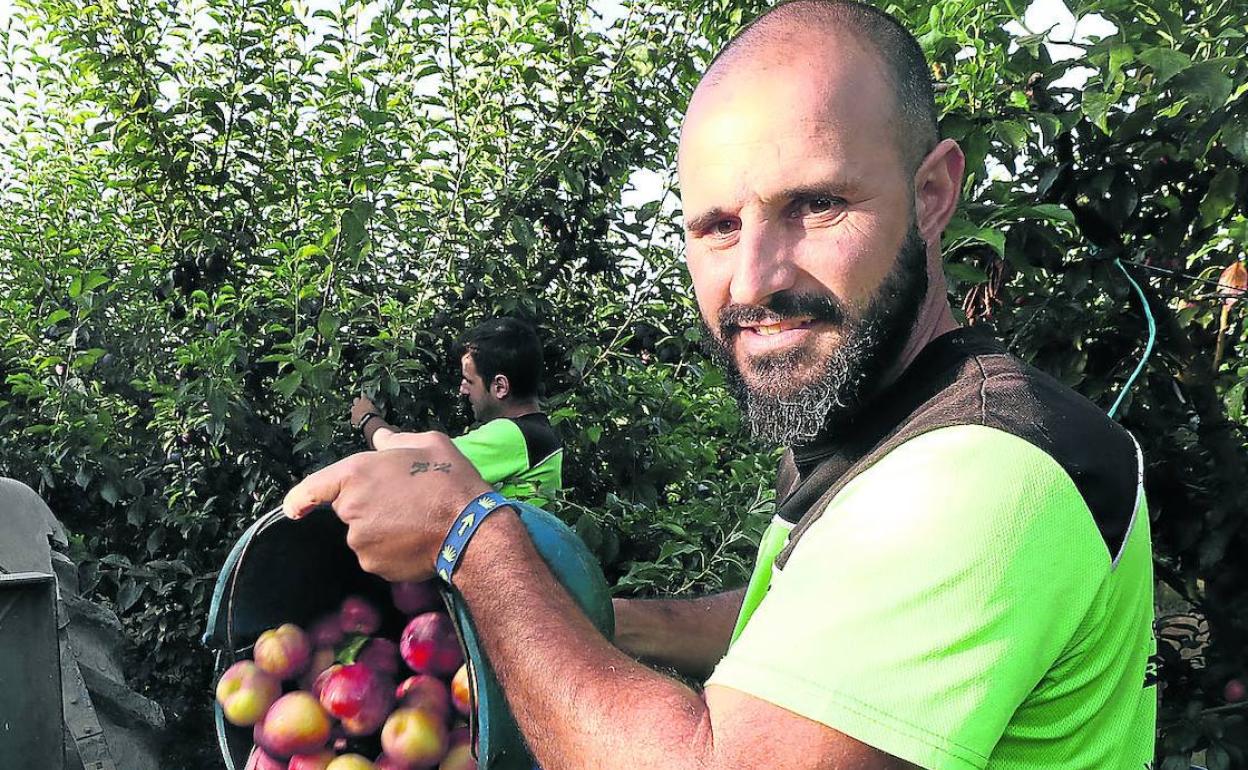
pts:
[724, 227]
[821, 204]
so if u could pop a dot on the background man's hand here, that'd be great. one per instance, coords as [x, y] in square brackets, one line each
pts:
[360, 407]
[398, 504]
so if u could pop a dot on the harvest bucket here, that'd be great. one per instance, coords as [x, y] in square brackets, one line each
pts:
[285, 571]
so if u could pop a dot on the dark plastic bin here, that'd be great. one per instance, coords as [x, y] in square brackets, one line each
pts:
[31, 732]
[284, 571]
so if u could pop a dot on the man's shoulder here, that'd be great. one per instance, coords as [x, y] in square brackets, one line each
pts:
[996, 389]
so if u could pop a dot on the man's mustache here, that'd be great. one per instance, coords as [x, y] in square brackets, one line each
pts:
[781, 305]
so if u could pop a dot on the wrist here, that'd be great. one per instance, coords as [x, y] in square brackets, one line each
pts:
[476, 515]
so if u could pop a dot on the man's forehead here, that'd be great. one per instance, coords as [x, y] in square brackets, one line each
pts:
[787, 120]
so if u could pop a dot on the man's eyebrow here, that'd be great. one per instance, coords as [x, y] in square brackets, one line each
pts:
[704, 220]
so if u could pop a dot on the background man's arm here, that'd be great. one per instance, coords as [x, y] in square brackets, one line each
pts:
[688, 635]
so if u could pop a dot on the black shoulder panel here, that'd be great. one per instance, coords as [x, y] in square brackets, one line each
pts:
[540, 438]
[967, 378]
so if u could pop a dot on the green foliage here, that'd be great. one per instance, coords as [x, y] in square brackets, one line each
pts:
[221, 219]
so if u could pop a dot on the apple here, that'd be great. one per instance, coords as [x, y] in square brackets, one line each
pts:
[284, 651]
[350, 762]
[259, 760]
[322, 660]
[414, 597]
[387, 763]
[294, 724]
[415, 737]
[245, 692]
[429, 645]
[461, 691]
[327, 631]
[318, 684]
[425, 691]
[381, 655]
[459, 754]
[1235, 691]
[318, 761]
[358, 696]
[359, 616]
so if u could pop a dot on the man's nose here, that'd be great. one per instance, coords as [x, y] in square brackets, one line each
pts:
[764, 264]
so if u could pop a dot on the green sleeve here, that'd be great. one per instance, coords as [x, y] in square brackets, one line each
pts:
[497, 449]
[926, 603]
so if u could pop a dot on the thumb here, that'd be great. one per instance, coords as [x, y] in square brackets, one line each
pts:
[321, 488]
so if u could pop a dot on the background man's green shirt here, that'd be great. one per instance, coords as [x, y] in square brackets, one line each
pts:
[954, 599]
[520, 457]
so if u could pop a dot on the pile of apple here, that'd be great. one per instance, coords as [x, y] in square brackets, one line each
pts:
[332, 696]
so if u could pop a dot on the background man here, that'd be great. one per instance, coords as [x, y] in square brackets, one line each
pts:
[959, 575]
[515, 449]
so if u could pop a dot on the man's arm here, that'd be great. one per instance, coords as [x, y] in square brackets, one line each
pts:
[688, 635]
[580, 701]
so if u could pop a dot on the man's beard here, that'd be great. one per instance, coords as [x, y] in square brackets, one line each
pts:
[777, 413]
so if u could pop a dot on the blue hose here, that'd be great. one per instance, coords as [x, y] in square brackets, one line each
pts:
[1148, 349]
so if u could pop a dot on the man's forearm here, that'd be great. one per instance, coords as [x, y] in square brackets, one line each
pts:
[689, 635]
[580, 702]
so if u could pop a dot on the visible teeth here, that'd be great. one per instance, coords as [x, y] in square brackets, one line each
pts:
[767, 331]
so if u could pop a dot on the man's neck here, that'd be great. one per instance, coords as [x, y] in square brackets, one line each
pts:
[519, 408]
[935, 319]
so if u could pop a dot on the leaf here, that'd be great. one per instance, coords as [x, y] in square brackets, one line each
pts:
[327, 325]
[1095, 105]
[1220, 199]
[1235, 137]
[129, 594]
[1234, 280]
[960, 272]
[594, 432]
[1165, 62]
[1206, 83]
[1050, 212]
[289, 384]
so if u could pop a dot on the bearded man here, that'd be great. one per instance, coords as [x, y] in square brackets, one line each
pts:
[959, 573]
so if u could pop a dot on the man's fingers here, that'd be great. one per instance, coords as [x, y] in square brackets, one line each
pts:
[321, 488]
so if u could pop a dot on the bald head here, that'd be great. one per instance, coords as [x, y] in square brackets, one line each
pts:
[798, 28]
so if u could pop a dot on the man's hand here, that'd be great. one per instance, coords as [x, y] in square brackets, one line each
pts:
[398, 505]
[360, 407]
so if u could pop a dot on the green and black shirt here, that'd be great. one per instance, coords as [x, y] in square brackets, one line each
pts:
[521, 457]
[962, 577]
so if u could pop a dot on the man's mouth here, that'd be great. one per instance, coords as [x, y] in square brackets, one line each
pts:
[777, 327]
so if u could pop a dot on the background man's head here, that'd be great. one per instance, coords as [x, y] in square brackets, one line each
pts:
[815, 192]
[501, 366]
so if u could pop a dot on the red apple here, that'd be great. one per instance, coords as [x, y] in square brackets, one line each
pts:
[350, 762]
[259, 760]
[245, 692]
[327, 631]
[283, 651]
[359, 616]
[317, 761]
[294, 724]
[381, 655]
[1235, 691]
[425, 691]
[358, 696]
[318, 684]
[459, 751]
[415, 737]
[429, 645]
[412, 597]
[461, 691]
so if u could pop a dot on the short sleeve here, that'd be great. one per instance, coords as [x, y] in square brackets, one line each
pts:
[496, 449]
[929, 599]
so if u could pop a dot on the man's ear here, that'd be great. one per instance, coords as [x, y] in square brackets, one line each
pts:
[500, 387]
[937, 186]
